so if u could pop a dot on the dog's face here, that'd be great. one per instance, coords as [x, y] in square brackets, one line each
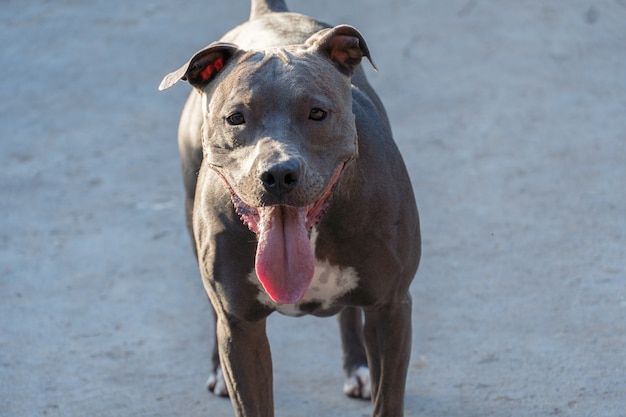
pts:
[279, 129]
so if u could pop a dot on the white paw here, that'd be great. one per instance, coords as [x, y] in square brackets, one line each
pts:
[358, 384]
[216, 383]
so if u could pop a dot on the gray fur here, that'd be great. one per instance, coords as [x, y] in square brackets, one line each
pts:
[279, 68]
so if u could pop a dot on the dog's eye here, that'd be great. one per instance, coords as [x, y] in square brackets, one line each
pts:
[235, 119]
[317, 114]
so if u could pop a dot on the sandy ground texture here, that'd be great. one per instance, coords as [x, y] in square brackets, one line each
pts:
[511, 116]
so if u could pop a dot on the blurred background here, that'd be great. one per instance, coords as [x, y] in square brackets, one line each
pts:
[512, 120]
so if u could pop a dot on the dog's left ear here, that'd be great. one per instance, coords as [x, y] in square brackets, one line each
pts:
[343, 45]
[203, 66]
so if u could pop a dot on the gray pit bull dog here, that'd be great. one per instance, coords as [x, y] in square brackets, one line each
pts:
[297, 201]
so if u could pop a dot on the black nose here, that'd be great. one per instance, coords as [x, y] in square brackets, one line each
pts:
[281, 178]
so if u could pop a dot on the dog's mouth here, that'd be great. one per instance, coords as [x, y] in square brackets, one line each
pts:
[284, 261]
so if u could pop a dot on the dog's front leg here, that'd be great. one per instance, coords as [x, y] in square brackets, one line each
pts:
[387, 334]
[357, 383]
[247, 365]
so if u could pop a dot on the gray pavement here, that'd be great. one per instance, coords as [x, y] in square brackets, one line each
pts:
[512, 119]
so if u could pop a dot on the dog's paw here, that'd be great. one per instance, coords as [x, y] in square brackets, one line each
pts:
[358, 384]
[216, 383]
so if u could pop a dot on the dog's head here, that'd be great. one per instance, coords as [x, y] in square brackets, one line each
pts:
[279, 130]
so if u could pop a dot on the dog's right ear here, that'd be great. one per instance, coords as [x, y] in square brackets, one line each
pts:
[202, 67]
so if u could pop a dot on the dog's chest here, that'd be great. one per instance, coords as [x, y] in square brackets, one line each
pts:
[328, 284]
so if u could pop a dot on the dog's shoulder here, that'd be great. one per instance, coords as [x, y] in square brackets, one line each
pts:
[272, 30]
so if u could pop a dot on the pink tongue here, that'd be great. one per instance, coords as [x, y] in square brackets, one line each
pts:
[284, 259]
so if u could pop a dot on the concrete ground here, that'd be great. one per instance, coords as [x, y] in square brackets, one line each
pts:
[511, 117]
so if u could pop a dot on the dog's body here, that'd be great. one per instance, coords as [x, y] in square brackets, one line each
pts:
[297, 201]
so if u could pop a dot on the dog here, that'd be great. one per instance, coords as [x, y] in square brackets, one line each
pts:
[297, 201]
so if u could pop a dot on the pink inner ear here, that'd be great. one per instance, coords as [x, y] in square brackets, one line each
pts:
[216, 66]
[345, 49]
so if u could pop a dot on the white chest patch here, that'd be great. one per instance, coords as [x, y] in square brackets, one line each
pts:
[329, 283]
